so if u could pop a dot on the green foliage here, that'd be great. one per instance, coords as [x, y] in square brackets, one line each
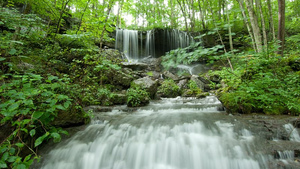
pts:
[193, 53]
[193, 89]
[260, 84]
[136, 96]
[169, 89]
[293, 44]
[29, 104]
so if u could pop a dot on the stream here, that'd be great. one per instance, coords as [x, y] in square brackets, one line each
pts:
[168, 134]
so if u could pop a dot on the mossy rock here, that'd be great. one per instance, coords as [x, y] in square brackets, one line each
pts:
[169, 89]
[119, 99]
[202, 95]
[74, 116]
[136, 97]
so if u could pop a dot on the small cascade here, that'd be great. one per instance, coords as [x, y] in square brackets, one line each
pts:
[292, 132]
[137, 45]
[150, 45]
[178, 133]
[177, 39]
[127, 42]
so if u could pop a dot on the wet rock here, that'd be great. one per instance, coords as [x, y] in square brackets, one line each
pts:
[170, 75]
[73, 117]
[148, 84]
[112, 54]
[182, 84]
[215, 78]
[199, 83]
[119, 99]
[153, 63]
[135, 66]
[119, 78]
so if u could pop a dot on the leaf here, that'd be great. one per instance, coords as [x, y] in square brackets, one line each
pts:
[5, 156]
[56, 137]
[12, 159]
[19, 145]
[21, 166]
[3, 164]
[67, 104]
[37, 114]
[40, 140]
[2, 58]
[12, 51]
[13, 107]
[32, 132]
[60, 107]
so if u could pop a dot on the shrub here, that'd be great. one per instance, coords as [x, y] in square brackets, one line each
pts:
[136, 96]
[169, 89]
[29, 104]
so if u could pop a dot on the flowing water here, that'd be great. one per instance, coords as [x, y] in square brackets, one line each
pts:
[168, 134]
[137, 45]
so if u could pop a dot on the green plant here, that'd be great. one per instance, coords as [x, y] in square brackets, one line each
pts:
[260, 84]
[136, 96]
[29, 104]
[169, 89]
[193, 88]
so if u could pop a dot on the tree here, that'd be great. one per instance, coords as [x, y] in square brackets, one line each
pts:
[254, 24]
[281, 25]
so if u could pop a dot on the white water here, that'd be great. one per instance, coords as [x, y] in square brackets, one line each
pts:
[167, 134]
[292, 132]
[137, 45]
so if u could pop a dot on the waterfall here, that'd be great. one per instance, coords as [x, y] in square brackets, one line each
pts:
[150, 44]
[168, 134]
[292, 132]
[127, 42]
[137, 45]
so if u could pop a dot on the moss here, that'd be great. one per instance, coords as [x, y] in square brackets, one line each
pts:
[136, 96]
[169, 89]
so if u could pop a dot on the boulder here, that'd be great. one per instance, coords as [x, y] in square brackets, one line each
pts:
[113, 54]
[73, 117]
[148, 84]
[154, 63]
[170, 75]
[135, 65]
[119, 99]
[199, 83]
[119, 78]
[182, 84]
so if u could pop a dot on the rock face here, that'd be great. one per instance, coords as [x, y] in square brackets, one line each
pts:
[148, 84]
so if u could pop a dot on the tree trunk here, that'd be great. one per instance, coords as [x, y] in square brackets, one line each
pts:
[229, 30]
[63, 7]
[262, 23]
[281, 25]
[247, 24]
[271, 25]
[254, 24]
[201, 15]
[118, 22]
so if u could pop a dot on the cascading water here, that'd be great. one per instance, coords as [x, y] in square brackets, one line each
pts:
[168, 134]
[137, 45]
[292, 132]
